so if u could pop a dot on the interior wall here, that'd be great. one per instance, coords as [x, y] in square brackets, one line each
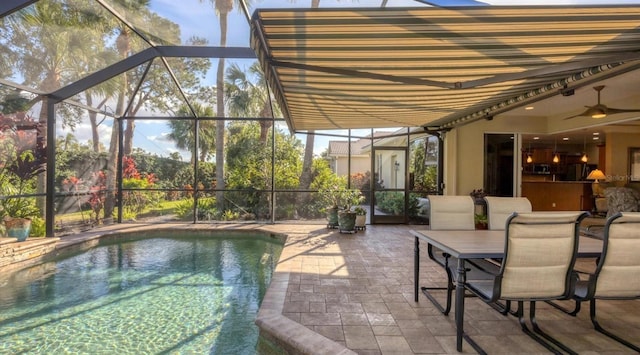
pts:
[617, 155]
[468, 161]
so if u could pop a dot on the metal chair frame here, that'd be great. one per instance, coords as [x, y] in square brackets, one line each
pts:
[592, 283]
[495, 293]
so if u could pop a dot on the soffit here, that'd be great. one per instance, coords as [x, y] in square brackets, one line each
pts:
[435, 67]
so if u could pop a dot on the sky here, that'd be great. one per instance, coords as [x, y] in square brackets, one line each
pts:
[198, 18]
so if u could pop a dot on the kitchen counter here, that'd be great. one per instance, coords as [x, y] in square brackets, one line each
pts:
[558, 195]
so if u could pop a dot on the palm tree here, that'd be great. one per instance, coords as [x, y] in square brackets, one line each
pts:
[247, 99]
[182, 131]
[222, 8]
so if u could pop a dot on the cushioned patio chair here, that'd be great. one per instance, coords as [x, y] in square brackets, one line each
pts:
[448, 213]
[539, 254]
[500, 208]
[616, 275]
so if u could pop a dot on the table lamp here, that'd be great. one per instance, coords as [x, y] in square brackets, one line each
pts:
[596, 174]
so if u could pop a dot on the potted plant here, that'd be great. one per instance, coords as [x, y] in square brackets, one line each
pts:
[481, 221]
[346, 214]
[331, 198]
[361, 217]
[21, 160]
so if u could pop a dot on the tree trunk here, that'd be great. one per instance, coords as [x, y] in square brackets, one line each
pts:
[306, 176]
[265, 125]
[220, 184]
[128, 137]
[93, 119]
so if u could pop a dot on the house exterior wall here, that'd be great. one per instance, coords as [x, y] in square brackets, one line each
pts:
[359, 164]
[464, 150]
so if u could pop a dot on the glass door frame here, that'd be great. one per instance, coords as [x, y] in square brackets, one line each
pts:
[397, 171]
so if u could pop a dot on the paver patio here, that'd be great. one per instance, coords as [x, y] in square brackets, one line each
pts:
[356, 291]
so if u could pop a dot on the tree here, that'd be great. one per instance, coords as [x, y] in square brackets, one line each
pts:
[46, 40]
[152, 89]
[222, 8]
[182, 131]
[245, 98]
[249, 167]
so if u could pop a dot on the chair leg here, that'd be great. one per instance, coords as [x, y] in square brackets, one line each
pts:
[447, 308]
[537, 329]
[596, 325]
[532, 335]
[568, 311]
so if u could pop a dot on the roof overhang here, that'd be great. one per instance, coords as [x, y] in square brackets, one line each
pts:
[435, 67]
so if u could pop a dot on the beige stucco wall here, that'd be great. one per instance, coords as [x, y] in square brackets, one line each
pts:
[617, 155]
[359, 164]
[464, 150]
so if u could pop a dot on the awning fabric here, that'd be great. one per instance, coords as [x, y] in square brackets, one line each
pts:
[434, 67]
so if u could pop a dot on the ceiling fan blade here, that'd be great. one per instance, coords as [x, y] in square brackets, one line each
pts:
[612, 111]
[581, 114]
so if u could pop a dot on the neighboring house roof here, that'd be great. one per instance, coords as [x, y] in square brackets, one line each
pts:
[359, 147]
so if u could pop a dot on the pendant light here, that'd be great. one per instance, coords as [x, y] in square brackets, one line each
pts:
[556, 156]
[529, 157]
[584, 158]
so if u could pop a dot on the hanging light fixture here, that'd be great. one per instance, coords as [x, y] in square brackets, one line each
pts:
[584, 158]
[529, 157]
[556, 156]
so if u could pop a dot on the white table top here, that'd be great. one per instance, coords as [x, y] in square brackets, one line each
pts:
[478, 244]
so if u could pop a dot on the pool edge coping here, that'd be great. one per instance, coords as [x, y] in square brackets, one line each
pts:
[293, 336]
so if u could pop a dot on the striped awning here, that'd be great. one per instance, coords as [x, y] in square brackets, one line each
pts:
[435, 67]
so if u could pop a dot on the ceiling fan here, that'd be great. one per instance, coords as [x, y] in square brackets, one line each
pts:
[600, 110]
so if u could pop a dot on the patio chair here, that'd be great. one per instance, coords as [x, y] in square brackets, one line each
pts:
[500, 208]
[616, 275]
[448, 213]
[539, 254]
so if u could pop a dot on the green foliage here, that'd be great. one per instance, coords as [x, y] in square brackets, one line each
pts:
[480, 219]
[359, 210]
[230, 215]
[391, 202]
[135, 201]
[16, 206]
[425, 176]
[338, 196]
[206, 209]
[38, 227]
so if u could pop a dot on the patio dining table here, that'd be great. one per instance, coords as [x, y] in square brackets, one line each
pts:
[475, 244]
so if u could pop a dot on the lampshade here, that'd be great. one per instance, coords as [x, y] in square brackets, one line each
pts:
[596, 174]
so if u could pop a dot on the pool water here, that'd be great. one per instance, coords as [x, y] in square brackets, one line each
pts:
[195, 295]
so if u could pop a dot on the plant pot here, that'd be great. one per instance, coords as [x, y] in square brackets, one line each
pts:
[18, 228]
[361, 221]
[347, 221]
[332, 217]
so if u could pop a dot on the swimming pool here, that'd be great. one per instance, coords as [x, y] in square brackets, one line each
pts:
[148, 294]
